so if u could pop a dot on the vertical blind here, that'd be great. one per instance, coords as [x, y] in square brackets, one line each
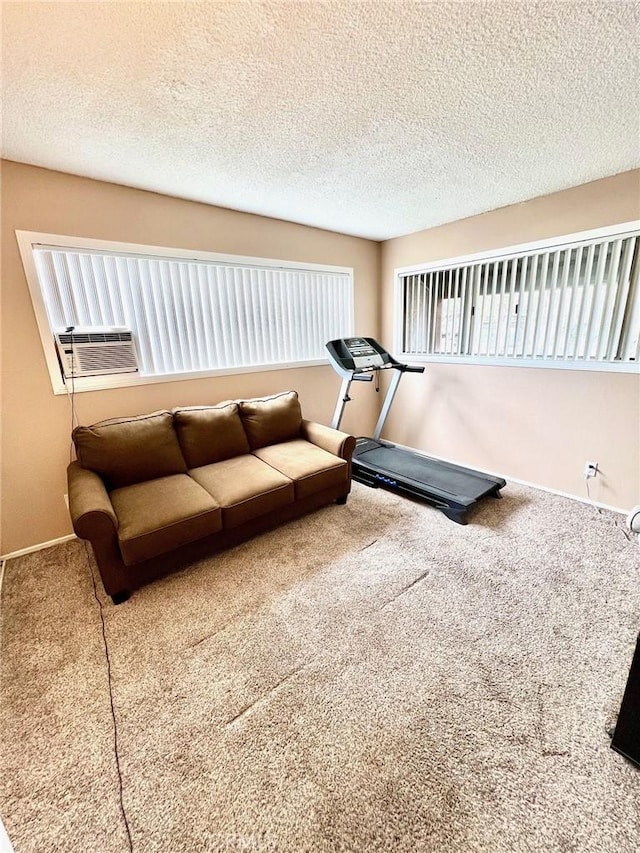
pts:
[189, 315]
[578, 302]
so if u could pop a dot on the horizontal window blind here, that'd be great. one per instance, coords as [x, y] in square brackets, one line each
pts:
[573, 303]
[189, 315]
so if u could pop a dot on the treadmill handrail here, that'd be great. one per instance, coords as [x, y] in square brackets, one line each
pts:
[343, 360]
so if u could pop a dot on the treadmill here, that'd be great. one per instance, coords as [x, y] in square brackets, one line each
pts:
[450, 488]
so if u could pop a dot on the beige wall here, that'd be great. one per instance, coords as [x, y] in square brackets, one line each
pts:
[36, 423]
[538, 425]
[532, 424]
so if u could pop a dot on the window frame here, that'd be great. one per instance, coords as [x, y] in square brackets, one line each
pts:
[28, 239]
[620, 231]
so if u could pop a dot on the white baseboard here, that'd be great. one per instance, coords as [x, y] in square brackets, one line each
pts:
[510, 479]
[40, 547]
[585, 500]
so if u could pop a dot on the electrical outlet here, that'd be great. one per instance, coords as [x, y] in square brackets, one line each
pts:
[590, 469]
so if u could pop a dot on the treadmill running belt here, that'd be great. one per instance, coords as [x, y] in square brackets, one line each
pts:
[425, 471]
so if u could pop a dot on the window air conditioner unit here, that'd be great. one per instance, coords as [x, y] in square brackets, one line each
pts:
[96, 351]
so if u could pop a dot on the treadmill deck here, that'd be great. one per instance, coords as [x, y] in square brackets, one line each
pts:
[443, 484]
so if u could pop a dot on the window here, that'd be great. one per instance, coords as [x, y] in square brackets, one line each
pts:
[190, 313]
[574, 303]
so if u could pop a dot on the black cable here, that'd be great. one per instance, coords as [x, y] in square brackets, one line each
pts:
[113, 712]
[72, 396]
[102, 622]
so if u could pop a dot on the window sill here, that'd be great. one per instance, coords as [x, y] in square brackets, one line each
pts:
[127, 380]
[545, 364]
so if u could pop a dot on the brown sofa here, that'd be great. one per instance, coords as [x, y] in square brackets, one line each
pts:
[153, 492]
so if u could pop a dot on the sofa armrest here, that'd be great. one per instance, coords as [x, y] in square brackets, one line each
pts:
[339, 443]
[92, 514]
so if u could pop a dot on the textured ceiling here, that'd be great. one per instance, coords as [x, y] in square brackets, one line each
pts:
[370, 118]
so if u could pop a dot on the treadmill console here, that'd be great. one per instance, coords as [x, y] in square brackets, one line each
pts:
[358, 355]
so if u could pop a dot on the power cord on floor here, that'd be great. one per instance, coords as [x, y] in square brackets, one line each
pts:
[2, 565]
[599, 510]
[110, 685]
[74, 423]
[72, 394]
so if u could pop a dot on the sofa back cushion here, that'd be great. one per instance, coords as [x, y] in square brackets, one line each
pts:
[271, 420]
[210, 433]
[130, 450]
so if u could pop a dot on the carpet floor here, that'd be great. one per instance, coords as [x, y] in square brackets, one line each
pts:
[369, 678]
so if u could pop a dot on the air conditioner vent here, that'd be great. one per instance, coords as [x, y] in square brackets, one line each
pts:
[94, 337]
[96, 352]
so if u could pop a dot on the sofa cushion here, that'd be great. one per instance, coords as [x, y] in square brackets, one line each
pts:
[271, 420]
[311, 468]
[210, 433]
[163, 514]
[130, 450]
[245, 487]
